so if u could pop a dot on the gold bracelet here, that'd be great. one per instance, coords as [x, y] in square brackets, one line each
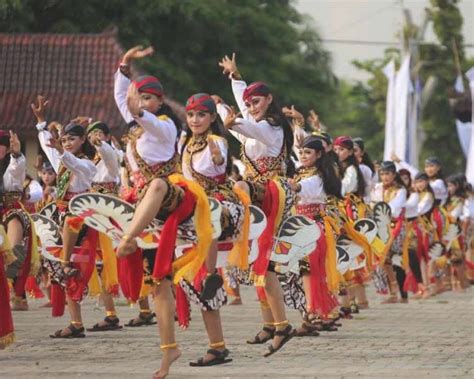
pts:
[173, 345]
[127, 238]
[217, 345]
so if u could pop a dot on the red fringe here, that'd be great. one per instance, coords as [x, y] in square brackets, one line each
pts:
[6, 320]
[182, 307]
[131, 275]
[20, 281]
[265, 241]
[165, 252]
[58, 300]
[410, 283]
[469, 264]
[438, 223]
[321, 300]
[75, 286]
[32, 288]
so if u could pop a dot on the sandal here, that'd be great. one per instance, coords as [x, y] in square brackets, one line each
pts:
[308, 331]
[75, 332]
[329, 327]
[257, 340]
[212, 283]
[143, 319]
[287, 335]
[220, 358]
[112, 323]
[354, 308]
[345, 312]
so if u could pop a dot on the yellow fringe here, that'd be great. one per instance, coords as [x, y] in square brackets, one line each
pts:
[281, 206]
[405, 247]
[94, 284]
[239, 254]
[187, 266]
[6, 249]
[8, 339]
[378, 247]
[35, 256]
[332, 274]
[109, 271]
[145, 290]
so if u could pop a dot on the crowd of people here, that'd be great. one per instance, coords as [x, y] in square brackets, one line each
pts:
[167, 170]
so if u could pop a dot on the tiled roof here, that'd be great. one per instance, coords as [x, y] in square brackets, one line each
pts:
[74, 71]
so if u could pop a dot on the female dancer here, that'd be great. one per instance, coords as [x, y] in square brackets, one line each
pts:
[454, 207]
[15, 219]
[156, 125]
[267, 141]
[204, 160]
[171, 199]
[353, 190]
[70, 157]
[366, 166]
[105, 181]
[317, 187]
[392, 191]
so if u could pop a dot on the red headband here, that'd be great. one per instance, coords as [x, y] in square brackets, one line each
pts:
[149, 84]
[255, 89]
[344, 141]
[201, 102]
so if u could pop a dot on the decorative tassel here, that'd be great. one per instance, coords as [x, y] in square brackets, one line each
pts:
[58, 300]
[183, 310]
[239, 255]
[6, 321]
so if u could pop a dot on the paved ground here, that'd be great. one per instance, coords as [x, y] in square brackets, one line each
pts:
[429, 339]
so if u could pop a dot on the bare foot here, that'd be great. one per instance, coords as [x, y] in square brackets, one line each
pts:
[126, 247]
[46, 305]
[236, 301]
[19, 305]
[169, 356]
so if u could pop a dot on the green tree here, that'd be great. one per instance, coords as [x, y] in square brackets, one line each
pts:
[272, 41]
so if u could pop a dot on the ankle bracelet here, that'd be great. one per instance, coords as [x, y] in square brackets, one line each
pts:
[169, 346]
[217, 345]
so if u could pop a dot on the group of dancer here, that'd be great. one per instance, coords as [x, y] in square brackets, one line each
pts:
[168, 170]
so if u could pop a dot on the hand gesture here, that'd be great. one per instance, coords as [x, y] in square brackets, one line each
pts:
[84, 121]
[38, 162]
[94, 139]
[313, 120]
[54, 143]
[229, 121]
[15, 145]
[133, 100]
[394, 158]
[293, 185]
[216, 153]
[54, 128]
[217, 99]
[228, 65]
[39, 108]
[293, 114]
[137, 52]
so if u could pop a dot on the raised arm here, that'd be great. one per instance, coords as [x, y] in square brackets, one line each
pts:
[83, 169]
[122, 81]
[107, 154]
[398, 203]
[15, 173]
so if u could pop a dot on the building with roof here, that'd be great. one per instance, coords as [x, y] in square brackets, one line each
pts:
[75, 72]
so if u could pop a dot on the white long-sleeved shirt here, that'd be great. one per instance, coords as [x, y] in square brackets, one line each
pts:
[260, 139]
[397, 203]
[158, 141]
[15, 174]
[468, 209]
[439, 188]
[368, 178]
[411, 206]
[108, 168]
[36, 191]
[349, 181]
[83, 170]
[203, 164]
[425, 204]
[312, 191]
